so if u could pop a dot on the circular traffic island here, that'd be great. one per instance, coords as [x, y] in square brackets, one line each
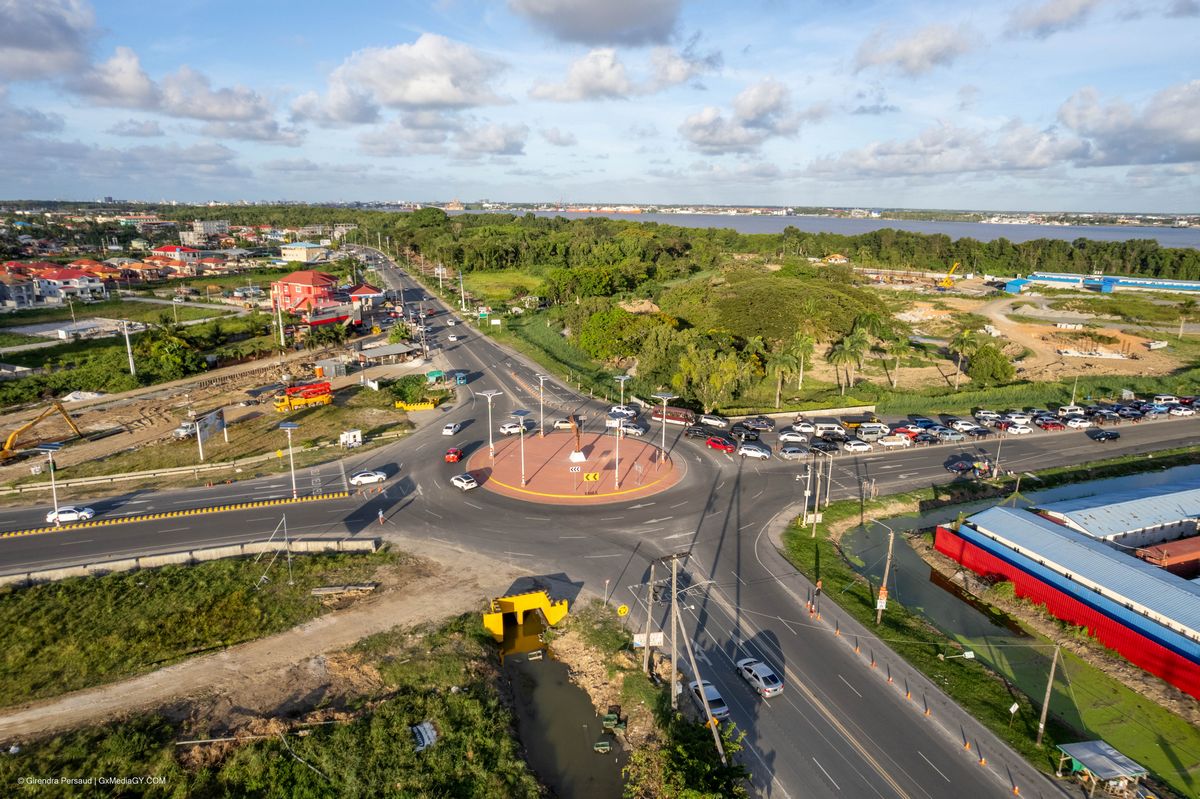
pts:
[556, 473]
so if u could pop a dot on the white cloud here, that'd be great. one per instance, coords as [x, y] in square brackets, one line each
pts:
[414, 133]
[492, 139]
[672, 68]
[929, 47]
[146, 167]
[142, 128]
[16, 121]
[559, 138]
[760, 111]
[266, 130]
[614, 22]
[341, 106]
[307, 170]
[1164, 132]
[1050, 16]
[120, 81]
[188, 93]
[43, 38]
[598, 75]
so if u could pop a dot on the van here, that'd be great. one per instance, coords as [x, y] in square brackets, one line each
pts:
[1165, 399]
[872, 431]
[825, 428]
[1070, 410]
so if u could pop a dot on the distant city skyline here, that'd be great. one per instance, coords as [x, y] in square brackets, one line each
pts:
[1045, 105]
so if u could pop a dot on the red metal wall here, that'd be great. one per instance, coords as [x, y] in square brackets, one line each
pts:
[1134, 646]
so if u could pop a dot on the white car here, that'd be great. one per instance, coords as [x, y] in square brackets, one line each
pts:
[69, 514]
[752, 449]
[984, 415]
[623, 410]
[453, 338]
[366, 478]
[716, 704]
[890, 442]
[792, 437]
[962, 425]
[712, 420]
[760, 676]
[1076, 422]
[856, 445]
[632, 428]
[451, 428]
[803, 427]
[464, 481]
[450, 323]
[1017, 417]
[562, 424]
[793, 452]
[1019, 430]
[1181, 410]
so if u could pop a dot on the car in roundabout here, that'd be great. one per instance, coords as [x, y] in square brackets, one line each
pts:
[696, 431]
[793, 452]
[720, 444]
[712, 420]
[69, 513]
[856, 445]
[451, 428]
[465, 481]
[628, 411]
[792, 437]
[759, 423]
[743, 433]
[562, 424]
[367, 478]
[762, 678]
[631, 428]
[752, 449]
[453, 455]
[512, 428]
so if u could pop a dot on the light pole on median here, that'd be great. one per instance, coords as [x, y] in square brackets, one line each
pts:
[288, 427]
[50, 448]
[489, 394]
[622, 379]
[665, 397]
[541, 404]
[520, 415]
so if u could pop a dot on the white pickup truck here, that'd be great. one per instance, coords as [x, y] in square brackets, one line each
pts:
[186, 429]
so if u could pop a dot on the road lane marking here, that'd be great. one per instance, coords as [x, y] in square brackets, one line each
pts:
[610, 518]
[174, 529]
[930, 762]
[538, 518]
[680, 504]
[851, 687]
[431, 513]
[785, 624]
[656, 521]
[613, 555]
[739, 578]
[84, 541]
[473, 505]
[826, 773]
[679, 535]
[572, 536]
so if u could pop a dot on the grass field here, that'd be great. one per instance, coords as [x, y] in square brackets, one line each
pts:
[444, 674]
[537, 337]
[86, 631]
[497, 287]
[109, 309]
[1128, 306]
[8, 339]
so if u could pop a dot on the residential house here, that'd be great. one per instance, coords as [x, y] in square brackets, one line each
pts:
[17, 291]
[366, 295]
[145, 272]
[179, 252]
[57, 285]
[303, 251]
[303, 290]
[836, 258]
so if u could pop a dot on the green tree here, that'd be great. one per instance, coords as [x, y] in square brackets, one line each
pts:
[783, 365]
[802, 347]
[963, 345]
[989, 366]
[708, 376]
[841, 357]
[897, 348]
[398, 334]
[874, 324]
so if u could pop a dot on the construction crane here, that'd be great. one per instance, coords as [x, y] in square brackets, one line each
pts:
[11, 441]
[303, 396]
[947, 281]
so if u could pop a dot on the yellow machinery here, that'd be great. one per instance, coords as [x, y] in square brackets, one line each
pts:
[55, 407]
[303, 396]
[519, 605]
[947, 281]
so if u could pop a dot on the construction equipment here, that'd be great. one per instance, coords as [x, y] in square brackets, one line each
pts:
[55, 407]
[303, 396]
[947, 281]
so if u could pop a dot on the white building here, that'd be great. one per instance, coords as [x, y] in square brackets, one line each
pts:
[56, 285]
[304, 252]
[211, 227]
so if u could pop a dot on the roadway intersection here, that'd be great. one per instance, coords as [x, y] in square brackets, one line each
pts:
[840, 729]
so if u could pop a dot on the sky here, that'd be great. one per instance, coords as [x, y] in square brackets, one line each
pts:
[1072, 105]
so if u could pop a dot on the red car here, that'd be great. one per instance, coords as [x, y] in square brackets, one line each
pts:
[911, 432]
[454, 455]
[1050, 424]
[723, 444]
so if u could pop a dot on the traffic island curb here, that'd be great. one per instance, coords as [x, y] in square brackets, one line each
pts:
[263, 503]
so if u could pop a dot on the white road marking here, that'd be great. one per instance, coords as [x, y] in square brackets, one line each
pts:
[935, 768]
[785, 624]
[700, 656]
[174, 529]
[613, 555]
[739, 577]
[679, 535]
[610, 518]
[656, 521]
[431, 513]
[826, 773]
[572, 536]
[680, 504]
[473, 505]
[851, 687]
[70, 543]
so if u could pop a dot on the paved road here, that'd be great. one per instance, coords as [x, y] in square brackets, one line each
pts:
[839, 730]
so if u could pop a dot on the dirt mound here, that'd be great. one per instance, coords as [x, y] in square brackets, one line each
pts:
[639, 306]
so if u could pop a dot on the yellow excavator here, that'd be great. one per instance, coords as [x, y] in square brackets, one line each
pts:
[11, 441]
[947, 281]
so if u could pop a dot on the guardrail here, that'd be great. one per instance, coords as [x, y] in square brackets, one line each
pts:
[190, 556]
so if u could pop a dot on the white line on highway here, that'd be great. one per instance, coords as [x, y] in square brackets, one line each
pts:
[613, 555]
[610, 518]
[473, 505]
[518, 554]
[785, 624]
[826, 773]
[656, 521]
[538, 518]
[680, 504]
[739, 577]
[431, 513]
[935, 768]
[174, 529]
[69, 543]
[261, 519]
[851, 687]
[748, 524]
[572, 536]
[679, 535]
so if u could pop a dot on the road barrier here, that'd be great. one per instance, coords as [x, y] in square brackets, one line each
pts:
[191, 556]
[171, 514]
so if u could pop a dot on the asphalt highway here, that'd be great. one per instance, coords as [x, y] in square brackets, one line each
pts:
[839, 729]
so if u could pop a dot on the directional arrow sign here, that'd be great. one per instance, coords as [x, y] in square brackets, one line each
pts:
[575, 469]
[591, 477]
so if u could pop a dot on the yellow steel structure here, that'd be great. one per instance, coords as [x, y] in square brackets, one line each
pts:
[947, 281]
[55, 407]
[520, 604]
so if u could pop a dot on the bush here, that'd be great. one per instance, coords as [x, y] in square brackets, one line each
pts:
[990, 367]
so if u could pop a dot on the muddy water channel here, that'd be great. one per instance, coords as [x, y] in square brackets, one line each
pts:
[556, 721]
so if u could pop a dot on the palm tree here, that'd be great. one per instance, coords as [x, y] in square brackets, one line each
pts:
[858, 342]
[874, 324]
[966, 343]
[1186, 309]
[802, 348]
[840, 356]
[898, 348]
[782, 364]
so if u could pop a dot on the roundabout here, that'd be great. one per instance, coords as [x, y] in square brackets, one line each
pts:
[551, 476]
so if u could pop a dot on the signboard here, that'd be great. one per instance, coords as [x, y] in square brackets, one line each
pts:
[1015, 707]
[575, 469]
[881, 604]
[656, 639]
[211, 423]
[591, 477]
[496, 322]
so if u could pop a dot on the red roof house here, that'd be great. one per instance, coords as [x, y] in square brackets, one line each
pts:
[303, 289]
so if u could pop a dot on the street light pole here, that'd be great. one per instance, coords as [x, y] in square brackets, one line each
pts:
[49, 448]
[887, 567]
[489, 394]
[541, 404]
[128, 348]
[521, 414]
[622, 379]
[664, 396]
[288, 427]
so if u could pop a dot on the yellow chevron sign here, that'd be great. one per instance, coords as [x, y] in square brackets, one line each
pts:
[591, 477]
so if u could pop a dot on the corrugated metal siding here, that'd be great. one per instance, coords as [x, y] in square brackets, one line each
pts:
[1124, 576]
[1121, 511]
[1138, 649]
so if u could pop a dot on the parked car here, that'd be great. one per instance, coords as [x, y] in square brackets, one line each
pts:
[979, 432]
[1050, 424]
[820, 445]
[451, 428]
[1019, 429]
[793, 452]
[907, 431]
[761, 677]
[366, 478]
[792, 437]
[1017, 417]
[984, 415]
[923, 422]
[716, 704]
[803, 426]
[722, 444]
[1181, 410]
[713, 420]
[465, 481]
[1078, 423]
[1126, 412]
[1103, 435]
[68, 513]
[894, 442]
[753, 449]
[961, 425]
[925, 438]
[453, 455]
[454, 338]
[856, 445]
[512, 428]
[947, 436]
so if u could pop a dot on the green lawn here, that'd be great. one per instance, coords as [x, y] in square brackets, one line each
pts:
[15, 339]
[1128, 306]
[497, 287]
[108, 309]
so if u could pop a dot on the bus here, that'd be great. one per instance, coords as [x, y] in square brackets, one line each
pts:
[673, 415]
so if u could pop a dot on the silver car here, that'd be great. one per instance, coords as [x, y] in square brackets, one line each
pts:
[792, 437]
[751, 449]
[716, 704]
[760, 676]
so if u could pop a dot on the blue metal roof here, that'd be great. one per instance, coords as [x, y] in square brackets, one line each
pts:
[1121, 511]
[1123, 577]
[307, 244]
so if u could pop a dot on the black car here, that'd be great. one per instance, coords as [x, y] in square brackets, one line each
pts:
[959, 467]
[1103, 435]
[759, 423]
[925, 438]
[696, 431]
[979, 432]
[821, 445]
[743, 433]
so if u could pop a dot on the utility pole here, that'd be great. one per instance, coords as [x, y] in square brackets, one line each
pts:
[816, 500]
[1046, 699]
[674, 660]
[649, 618]
[128, 348]
[1075, 386]
[462, 291]
[708, 716]
[828, 481]
[887, 568]
[279, 319]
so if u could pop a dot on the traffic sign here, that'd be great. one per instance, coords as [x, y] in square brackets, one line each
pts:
[575, 469]
[623, 610]
[591, 477]
[881, 604]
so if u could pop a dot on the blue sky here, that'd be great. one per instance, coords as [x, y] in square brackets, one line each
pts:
[1039, 105]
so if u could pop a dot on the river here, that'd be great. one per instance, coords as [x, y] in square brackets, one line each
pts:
[982, 231]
